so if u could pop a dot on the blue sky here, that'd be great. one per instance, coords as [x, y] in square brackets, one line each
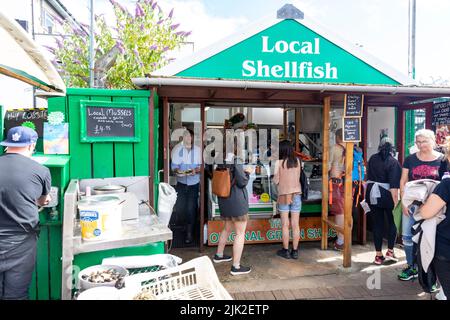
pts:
[380, 26]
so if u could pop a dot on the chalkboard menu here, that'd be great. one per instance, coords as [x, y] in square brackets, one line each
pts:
[31, 117]
[441, 114]
[109, 121]
[353, 106]
[352, 129]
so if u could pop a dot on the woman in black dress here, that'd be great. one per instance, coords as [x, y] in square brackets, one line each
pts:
[234, 211]
[384, 172]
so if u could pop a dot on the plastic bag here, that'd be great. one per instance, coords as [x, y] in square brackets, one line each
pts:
[166, 201]
[398, 214]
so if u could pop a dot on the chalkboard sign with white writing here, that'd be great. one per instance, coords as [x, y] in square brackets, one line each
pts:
[109, 121]
[353, 106]
[352, 129]
[33, 118]
[441, 114]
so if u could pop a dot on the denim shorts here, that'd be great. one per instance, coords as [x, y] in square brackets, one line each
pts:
[294, 207]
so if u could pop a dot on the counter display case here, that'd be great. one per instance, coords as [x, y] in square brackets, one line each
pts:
[259, 194]
[313, 170]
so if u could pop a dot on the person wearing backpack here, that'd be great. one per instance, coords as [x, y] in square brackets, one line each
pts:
[384, 172]
[287, 179]
[234, 211]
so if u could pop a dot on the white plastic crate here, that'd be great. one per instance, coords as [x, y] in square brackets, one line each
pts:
[193, 280]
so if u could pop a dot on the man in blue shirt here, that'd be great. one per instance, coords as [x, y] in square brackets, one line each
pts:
[186, 161]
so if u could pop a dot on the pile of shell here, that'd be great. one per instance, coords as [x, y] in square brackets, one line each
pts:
[145, 294]
[103, 276]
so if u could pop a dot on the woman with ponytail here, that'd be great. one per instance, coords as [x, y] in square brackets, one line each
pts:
[384, 173]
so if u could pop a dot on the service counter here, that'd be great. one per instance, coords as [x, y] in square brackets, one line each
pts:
[142, 236]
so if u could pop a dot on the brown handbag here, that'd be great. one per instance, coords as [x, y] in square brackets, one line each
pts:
[221, 182]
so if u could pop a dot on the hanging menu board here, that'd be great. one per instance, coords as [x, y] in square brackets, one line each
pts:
[30, 117]
[353, 105]
[441, 113]
[441, 121]
[109, 121]
[351, 129]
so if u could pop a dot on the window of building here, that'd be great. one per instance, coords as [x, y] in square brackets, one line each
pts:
[48, 22]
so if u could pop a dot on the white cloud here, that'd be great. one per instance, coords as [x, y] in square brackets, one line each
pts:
[206, 29]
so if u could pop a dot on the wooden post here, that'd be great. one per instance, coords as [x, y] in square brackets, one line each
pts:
[166, 156]
[365, 133]
[297, 129]
[202, 178]
[348, 203]
[325, 157]
[400, 133]
[429, 116]
[362, 215]
[151, 127]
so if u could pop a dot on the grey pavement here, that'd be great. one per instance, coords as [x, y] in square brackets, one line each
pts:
[317, 274]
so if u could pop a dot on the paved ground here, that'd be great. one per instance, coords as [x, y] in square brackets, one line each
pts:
[316, 275]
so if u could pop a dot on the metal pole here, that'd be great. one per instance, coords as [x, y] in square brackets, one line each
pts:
[412, 40]
[91, 45]
[34, 38]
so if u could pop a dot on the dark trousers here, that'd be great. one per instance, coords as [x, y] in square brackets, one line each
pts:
[378, 216]
[16, 269]
[187, 203]
[442, 268]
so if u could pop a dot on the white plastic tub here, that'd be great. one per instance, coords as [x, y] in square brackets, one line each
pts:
[100, 217]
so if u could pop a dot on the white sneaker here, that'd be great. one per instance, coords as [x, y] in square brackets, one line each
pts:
[440, 295]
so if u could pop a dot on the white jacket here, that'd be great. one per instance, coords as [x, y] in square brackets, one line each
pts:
[420, 190]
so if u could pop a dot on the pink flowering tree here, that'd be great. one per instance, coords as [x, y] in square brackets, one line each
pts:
[135, 46]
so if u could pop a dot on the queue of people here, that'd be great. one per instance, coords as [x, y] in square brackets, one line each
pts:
[385, 187]
[386, 180]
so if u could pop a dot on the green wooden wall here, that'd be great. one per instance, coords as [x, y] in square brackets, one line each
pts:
[46, 282]
[90, 160]
[105, 159]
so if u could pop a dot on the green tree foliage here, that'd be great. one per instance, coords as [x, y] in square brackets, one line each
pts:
[139, 42]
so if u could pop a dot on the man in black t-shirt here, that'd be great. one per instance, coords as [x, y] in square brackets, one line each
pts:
[24, 184]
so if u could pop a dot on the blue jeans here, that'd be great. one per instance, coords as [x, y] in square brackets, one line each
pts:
[294, 207]
[407, 223]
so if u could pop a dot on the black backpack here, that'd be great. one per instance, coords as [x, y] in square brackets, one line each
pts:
[304, 185]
